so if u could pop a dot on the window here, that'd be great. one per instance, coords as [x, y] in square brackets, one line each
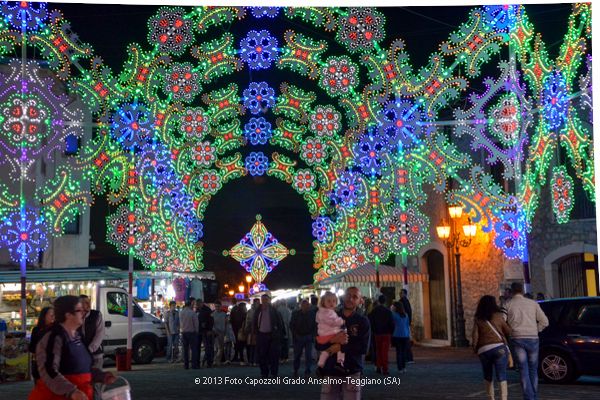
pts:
[72, 227]
[72, 145]
[589, 315]
[552, 311]
[117, 305]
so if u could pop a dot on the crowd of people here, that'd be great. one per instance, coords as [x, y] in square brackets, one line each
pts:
[67, 351]
[336, 335]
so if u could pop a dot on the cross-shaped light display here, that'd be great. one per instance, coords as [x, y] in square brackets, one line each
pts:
[258, 251]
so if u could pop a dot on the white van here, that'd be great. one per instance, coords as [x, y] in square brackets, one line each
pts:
[149, 333]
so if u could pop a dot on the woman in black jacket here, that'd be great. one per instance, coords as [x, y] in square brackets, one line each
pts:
[45, 322]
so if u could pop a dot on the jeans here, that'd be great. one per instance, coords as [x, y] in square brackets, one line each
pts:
[527, 353]
[382, 350]
[239, 347]
[343, 391]
[208, 339]
[268, 349]
[401, 344]
[285, 349]
[303, 344]
[220, 341]
[494, 358]
[190, 343]
[251, 350]
[172, 342]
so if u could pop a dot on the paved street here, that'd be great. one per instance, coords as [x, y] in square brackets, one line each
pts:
[439, 373]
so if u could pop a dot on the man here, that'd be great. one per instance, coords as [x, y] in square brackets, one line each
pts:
[220, 330]
[526, 319]
[206, 334]
[40, 300]
[270, 332]
[303, 329]
[188, 321]
[354, 344]
[408, 310]
[172, 326]
[314, 307]
[286, 316]
[251, 333]
[92, 331]
[382, 325]
[237, 317]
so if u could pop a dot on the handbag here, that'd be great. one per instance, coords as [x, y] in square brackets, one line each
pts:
[511, 362]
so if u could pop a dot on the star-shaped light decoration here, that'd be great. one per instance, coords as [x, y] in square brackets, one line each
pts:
[259, 252]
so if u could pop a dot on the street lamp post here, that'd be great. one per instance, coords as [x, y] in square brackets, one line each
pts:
[453, 241]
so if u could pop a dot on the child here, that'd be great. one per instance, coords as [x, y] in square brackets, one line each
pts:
[329, 324]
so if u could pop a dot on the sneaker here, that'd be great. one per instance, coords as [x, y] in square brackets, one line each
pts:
[402, 371]
[242, 363]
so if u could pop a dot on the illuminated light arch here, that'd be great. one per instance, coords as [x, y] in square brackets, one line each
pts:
[362, 166]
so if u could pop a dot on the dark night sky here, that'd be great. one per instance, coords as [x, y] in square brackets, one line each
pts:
[231, 213]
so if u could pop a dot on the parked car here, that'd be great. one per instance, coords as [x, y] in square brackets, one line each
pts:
[149, 333]
[570, 345]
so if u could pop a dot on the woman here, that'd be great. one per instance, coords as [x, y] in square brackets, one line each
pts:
[489, 342]
[64, 362]
[45, 322]
[401, 335]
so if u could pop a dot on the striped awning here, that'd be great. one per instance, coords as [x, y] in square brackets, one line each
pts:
[65, 274]
[367, 274]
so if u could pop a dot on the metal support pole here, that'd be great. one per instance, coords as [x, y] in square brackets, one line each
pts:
[152, 306]
[461, 338]
[452, 286]
[526, 277]
[377, 283]
[130, 313]
[24, 294]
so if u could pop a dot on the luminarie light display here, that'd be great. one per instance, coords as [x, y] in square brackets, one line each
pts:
[365, 149]
[259, 252]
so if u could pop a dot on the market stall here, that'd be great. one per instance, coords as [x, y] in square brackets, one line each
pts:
[153, 290]
[391, 280]
[44, 285]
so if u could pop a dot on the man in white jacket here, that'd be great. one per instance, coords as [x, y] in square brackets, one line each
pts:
[526, 318]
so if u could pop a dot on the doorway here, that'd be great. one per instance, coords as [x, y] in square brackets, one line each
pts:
[437, 294]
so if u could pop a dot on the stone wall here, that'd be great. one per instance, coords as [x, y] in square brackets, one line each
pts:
[482, 269]
[482, 273]
[547, 235]
[483, 265]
